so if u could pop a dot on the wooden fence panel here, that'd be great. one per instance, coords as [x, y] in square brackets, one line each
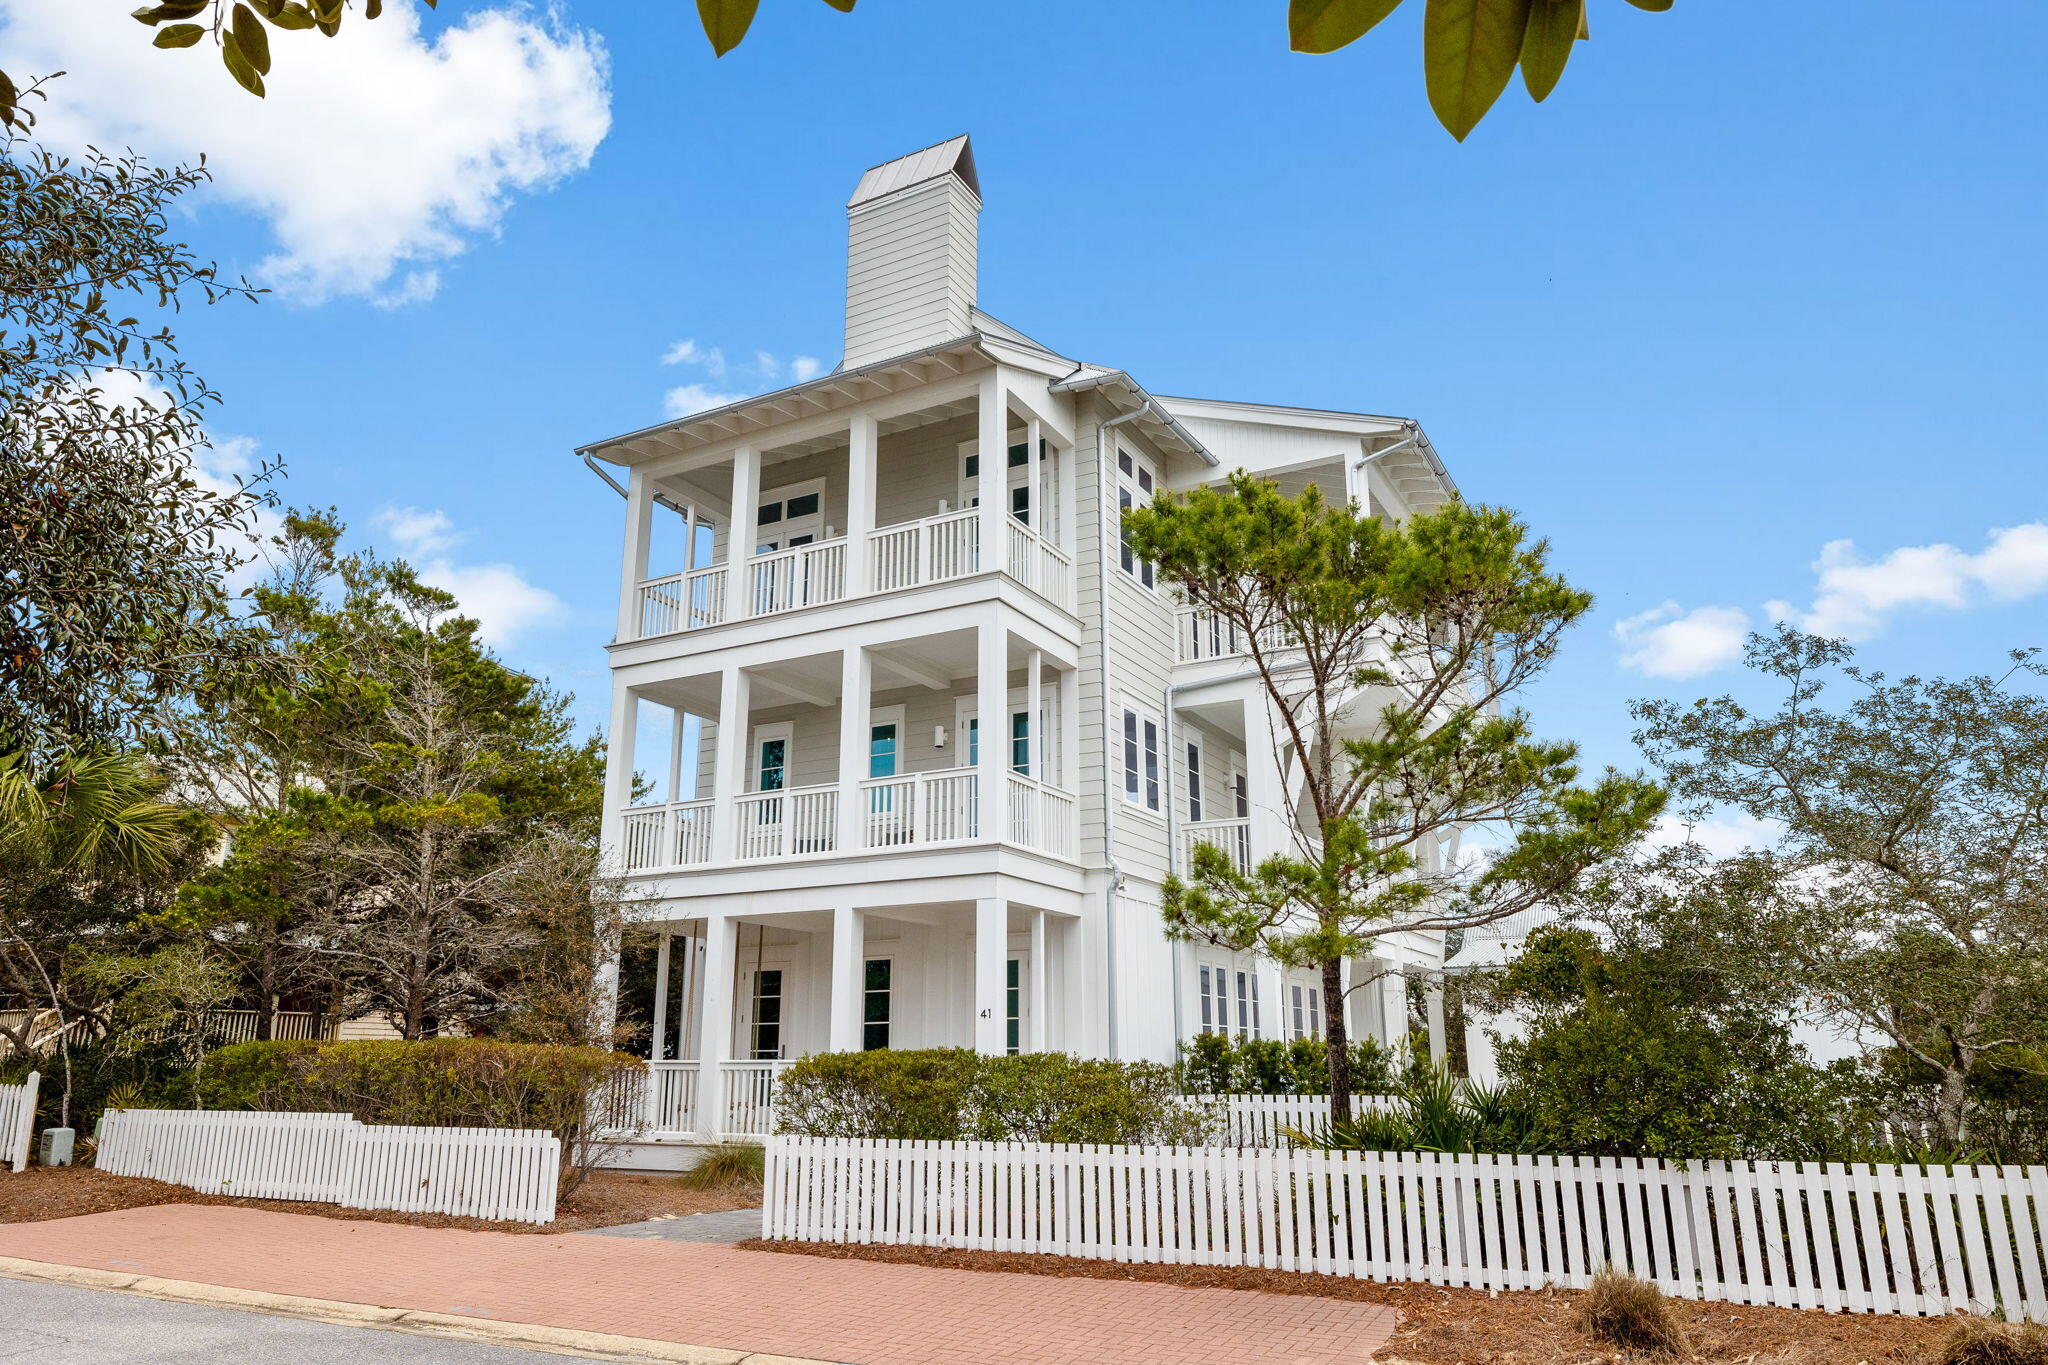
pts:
[1858, 1238]
[18, 1121]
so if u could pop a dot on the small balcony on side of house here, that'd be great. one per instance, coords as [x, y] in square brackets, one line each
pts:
[863, 506]
[871, 750]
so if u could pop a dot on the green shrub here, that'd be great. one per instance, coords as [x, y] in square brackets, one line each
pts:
[1215, 1065]
[1977, 1342]
[1624, 1311]
[438, 1083]
[952, 1094]
[1436, 1112]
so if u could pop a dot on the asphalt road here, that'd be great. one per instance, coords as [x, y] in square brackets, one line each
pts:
[54, 1324]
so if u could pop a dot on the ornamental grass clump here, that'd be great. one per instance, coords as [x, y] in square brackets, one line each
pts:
[726, 1166]
[1624, 1311]
[1976, 1342]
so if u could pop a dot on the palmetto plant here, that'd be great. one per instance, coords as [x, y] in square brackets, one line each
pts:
[89, 815]
[1434, 1111]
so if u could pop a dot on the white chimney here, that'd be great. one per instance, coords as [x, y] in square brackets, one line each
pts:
[912, 232]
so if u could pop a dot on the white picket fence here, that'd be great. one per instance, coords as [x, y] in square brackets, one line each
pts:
[331, 1158]
[1880, 1239]
[1258, 1120]
[18, 1120]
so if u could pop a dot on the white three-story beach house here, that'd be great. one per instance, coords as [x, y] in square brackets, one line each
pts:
[904, 739]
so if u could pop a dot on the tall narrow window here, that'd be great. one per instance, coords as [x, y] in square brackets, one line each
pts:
[1315, 1013]
[1141, 757]
[1013, 1006]
[1134, 486]
[1194, 780]
[874, 1004]
[774, 758]
[1208, 1006]
[1020, 742]
[768, 1013]
[1300, 1019]
[1244, 1018]
[1258, 1027]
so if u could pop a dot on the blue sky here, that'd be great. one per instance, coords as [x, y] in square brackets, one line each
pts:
[1759, 277]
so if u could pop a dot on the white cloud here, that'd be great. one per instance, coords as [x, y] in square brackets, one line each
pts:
[1722, 836]
[684, 399]
[713, 392]
[501, 599]
[1670, 642]
[377, 153]
[1855, 598]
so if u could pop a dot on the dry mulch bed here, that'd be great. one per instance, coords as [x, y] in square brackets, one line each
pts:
[605, 1200]
[1473, 1327]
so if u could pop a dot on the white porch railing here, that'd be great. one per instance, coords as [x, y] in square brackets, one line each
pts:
[782, 824]
[670, 1098]
[926, 551]
[1234, 837]
[1041, 816]
[807, 576]
[675, 835]
[920, 808]
[1040, 565]
[18, 1121]
[749, 1098]
[682, 601]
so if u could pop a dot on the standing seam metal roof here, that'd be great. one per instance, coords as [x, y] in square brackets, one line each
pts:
[954, 155]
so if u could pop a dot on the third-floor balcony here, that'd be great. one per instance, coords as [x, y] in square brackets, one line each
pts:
[812, 515]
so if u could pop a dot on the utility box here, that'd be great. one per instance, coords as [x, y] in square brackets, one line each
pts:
[57, 1146]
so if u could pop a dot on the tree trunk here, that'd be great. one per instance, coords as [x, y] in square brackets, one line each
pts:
[1949, 1110]
[1337, 1041]
[266, 987]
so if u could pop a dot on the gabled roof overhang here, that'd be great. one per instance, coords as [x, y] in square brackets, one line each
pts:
[1159, 427]
[842, 389]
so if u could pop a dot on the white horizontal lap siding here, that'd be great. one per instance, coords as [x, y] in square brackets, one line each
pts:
[1089, 598]
[919, 468]
[1866, 1239]
[1139, 657]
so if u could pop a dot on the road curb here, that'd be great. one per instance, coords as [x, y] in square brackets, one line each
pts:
[530, 1336]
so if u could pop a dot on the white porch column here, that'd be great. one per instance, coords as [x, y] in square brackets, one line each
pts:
[1035, 747]
[1033, 482]
[1040, 1035]
[1272, 817]
[639, 527]
[991, 951]
[1274, 1005]
[739, 537]
[856, 690]
[991, 709]
[657, 1042]
[862, 441]
[1070, 728]
[618, 773]
[1439, 1042]
[675, 756]
[735, 691]
[993, 446]
[715, 989]
[849, 948]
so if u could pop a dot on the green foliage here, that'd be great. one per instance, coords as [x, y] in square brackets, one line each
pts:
[1216, 1065]
[112, 554]
[1667, 1033]
[443, 1082]
[1434, 1111]
[1624, 1311]
[726, 1165]
[1470, 47]
[1907, 883]
[952, 1094]
[1389, 653]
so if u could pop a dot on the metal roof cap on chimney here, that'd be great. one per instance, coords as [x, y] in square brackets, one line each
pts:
[955, 155]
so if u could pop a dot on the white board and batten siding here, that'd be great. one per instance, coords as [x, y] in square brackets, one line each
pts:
[18, 1121]
[490, 1173]
[1866, 1239]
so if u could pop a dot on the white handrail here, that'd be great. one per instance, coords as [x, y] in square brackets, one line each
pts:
[783, 824]
[920, 808]
[1042, 816]
[806, 576]
[928, 550]
[674, 835]
[1234, 837]
[682, 601]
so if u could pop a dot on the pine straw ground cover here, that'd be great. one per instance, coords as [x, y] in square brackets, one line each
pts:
[605, 1200]
[1474, 1327]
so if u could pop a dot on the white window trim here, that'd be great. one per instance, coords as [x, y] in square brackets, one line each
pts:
[767, 730]
[1118, 487]
[783, 493]
[964, 706]
[892, 1022]
[1238, 773]
[1164, 757]
[1194, 784]
[887, 715]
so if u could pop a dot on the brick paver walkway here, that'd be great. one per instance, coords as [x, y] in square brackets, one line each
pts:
[856, 1311]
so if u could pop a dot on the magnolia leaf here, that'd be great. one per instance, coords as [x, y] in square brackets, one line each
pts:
[10, 98]
[843, 6]
[330, 27]
[238, 65]
[1654, 6]
[293, 16]
[373, 9]
[327, 11]
[1326, 25]
[1469, 50]
[179, 35]
[170, 9]
[252, 39]
[267, 8]
[726, 22]
[1547, 45]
